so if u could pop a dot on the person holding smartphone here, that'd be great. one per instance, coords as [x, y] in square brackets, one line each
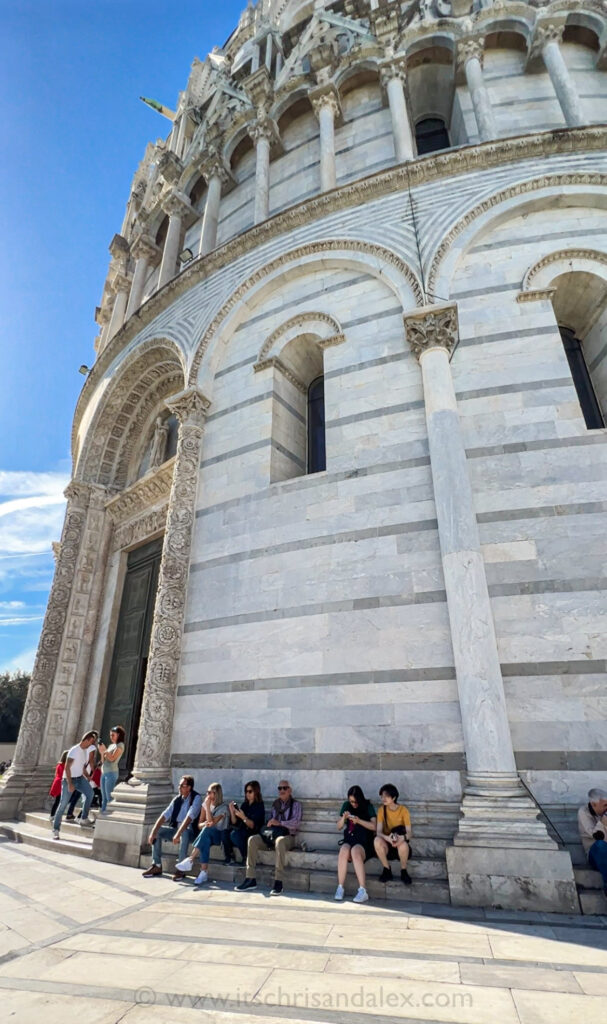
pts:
[393, 834]
[246, 820]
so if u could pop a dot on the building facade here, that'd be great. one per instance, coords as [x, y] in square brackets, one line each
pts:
[339, 496]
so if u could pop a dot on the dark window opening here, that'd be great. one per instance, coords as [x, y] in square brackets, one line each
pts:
[581, 378]
[431, 135]
[317, 456]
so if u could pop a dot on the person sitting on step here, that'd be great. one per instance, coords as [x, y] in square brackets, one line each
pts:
[592, 823]
[213, 822]
[246, 820]
[358, 820]
[177, 822]
[279, 833]
[393, 834]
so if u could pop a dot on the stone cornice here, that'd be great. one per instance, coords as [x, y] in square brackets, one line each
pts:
[418, 172]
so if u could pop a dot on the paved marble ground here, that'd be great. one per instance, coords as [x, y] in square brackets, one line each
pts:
[81, 940]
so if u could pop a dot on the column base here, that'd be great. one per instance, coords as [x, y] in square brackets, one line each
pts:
[122, 835]
[24, 788]
[502, 855]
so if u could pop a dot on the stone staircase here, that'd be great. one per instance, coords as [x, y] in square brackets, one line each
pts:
[312, 865]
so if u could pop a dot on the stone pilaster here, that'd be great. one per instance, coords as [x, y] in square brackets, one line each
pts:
[392, 77]
[121, 836]
[547, 42]
[16, 784]
[326, 106]
[470, 58]
[502, 854]
[177, 206]
[121, 286]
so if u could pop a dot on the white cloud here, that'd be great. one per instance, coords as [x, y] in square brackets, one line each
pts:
[23, 661]
[32, 516]
[26, 484]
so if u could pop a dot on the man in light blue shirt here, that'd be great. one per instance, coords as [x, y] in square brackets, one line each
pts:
[179, 823]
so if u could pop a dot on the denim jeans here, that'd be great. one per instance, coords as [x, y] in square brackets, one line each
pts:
[81, 785]
[597, 858]
[239, 838]
[210, 836]
[108, 781]
[168, 832]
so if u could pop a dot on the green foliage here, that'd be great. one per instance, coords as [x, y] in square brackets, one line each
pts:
[13, 690]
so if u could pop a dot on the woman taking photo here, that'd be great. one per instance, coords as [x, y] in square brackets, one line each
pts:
[358, 820]
[247, 820]
[110, 756]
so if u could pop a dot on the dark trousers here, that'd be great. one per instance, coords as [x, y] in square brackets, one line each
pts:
[55, 806]
[597, 858]
[239, 838]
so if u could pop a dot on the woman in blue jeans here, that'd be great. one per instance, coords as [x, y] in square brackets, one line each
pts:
[110, 757]
[214, 820]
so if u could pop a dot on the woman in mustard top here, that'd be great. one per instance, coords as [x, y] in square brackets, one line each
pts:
[393, 834]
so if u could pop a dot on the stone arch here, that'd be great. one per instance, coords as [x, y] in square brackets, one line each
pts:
[321, 325]
[376, 260]
[149, 375]
[503, 204]
[544, 271]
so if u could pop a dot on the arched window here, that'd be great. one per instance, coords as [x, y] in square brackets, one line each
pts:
[581, 378]
[317, 457]
[431, 135]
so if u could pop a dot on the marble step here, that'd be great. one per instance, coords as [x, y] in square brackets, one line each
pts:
[593, 901]
[78, 843]
[327, 861]
[427, 890]
[588, 878]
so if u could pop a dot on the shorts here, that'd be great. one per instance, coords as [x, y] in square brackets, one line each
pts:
[392, 853]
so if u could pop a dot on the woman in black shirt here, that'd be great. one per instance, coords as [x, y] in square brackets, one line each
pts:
[248, 820]
[358, 820]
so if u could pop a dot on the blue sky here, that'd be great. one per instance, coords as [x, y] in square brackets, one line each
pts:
[71, 72]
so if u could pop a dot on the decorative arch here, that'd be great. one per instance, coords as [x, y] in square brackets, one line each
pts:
[377, 260]
[442, 264]
[149, 375]
[544, 271]
[325, 328]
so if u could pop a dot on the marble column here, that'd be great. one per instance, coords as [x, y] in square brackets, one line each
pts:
[16, 782]
[121, 285]
[216, 176]
[262, 132]
[139, 801]
[325, 102]
[146, 253]
[502, 853]
[547, 41]
[177, 206]
[470, 57]
[103, 316]
[393, 79]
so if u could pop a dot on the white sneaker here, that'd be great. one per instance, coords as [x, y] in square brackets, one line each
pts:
[55, 833]
[361, 896]
[185, 865]
[86, 823]
[339, 893]
[202, 877]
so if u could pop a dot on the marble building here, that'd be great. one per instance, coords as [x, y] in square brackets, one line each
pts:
[339, 497]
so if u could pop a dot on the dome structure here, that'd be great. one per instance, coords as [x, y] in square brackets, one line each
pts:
[338, 504]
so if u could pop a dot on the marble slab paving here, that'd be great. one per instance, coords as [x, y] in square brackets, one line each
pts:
[108, 946]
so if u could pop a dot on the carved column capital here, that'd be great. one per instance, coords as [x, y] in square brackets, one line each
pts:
[176, 204]
[325, 96]
[546, 33]
[78, 494]
[144, 247]
[119, 248]
[432, 327]
[212, 166]
[390, 69]
[120, 283]
[189, 406]
[171, 167]
[264, 128]
[468, 49]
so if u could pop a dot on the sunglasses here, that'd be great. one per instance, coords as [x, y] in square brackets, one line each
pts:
[284, 787]
[249, 790]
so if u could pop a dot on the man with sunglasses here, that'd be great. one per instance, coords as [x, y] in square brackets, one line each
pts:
[177, 822]
[282, 827]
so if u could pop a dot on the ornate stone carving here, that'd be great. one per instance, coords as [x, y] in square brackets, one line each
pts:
[264, 128]
[176, 204]
[303, 323]
[562, 255]
[171, 167]
[144, 247]
[213, 167]
[393, 69]
[142, 528]
[418, 172]
[155, 730]
[469, 49]
[159, 443]
[39, 692]
[119, 248]
[120, 283]
[545, 34]
[325, 96]
[432, 327]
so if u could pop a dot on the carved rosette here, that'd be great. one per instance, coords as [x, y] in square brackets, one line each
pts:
[154, 742]
[432, 327]
[40, 689]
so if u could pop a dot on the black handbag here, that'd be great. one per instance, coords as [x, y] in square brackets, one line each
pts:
[271, 833]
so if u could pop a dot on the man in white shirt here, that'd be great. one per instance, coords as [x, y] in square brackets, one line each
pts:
[592, 823]
[75, 779]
